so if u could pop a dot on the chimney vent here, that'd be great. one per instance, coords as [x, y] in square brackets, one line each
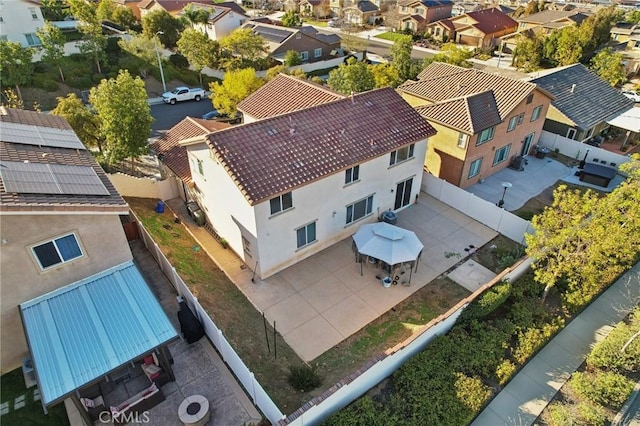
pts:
[573, 88]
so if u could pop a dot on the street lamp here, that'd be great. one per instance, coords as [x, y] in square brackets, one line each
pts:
[506, 185]
[584, 160]
[155, 43]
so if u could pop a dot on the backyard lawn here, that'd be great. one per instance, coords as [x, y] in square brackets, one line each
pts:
[13, 392]
[390, 36]
[243, 325]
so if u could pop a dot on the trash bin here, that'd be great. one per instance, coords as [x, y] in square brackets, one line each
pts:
[198, 217]
[160, 207]
[542, 151]
[390, 217]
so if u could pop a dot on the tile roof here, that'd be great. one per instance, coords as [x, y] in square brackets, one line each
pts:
[469, 114]
[173, 154]
[275, 155]
[285, 94]
[590, 102]
[32, 203]
[439, 82]
[366, 6]
[492, 20]
[325, 38]
[170, 6]
[547, 16]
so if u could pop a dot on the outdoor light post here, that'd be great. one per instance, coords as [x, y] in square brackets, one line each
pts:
[584, 160]
[155, 43]
[506, 186]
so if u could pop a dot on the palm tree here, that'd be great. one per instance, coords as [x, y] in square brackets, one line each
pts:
[195, 15]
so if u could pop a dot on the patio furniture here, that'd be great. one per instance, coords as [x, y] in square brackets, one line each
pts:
[137, 404]
[194, 411]
[153, 371]
[597, 174]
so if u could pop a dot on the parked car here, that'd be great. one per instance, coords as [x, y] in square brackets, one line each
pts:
[632, 95]
[334, 22]
[211, 115]
[182, 93]
[235, 119]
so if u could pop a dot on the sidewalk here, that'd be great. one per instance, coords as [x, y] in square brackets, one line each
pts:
[531, 390]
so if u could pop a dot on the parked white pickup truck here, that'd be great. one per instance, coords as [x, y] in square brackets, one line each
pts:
[180, 94]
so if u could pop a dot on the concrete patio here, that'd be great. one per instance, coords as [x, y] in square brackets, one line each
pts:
[323, 299]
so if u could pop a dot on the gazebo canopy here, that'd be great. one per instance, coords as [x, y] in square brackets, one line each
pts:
[389, 243]
[80, 332]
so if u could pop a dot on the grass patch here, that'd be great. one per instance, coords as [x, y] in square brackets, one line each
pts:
[306, 21]
[390, 36]
[12, 386]
[494, 258]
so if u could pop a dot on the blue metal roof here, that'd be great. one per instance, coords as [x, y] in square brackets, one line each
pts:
[80, 332]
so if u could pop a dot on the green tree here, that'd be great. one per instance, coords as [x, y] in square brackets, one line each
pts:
[124, 17]
[16, 67]
[10, 99]
[54, 10]
[246, 44]
[195, 15]
[291, 19]
[533, 7]
[401, 60]
[528, 53]
[93, 41]
[85, 123]
[52, 41]
[352, 77]
[162, 21]
[105, 10]
[236, 86]
[350, 39]
[142, 48]
[292, 58]
[568, 46]
[125, 116]
[608, 65]
[450, 53]
[199, 50]
[385, 75]
[633, 17]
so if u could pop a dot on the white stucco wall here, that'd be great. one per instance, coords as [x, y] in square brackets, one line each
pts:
[224, 26]
[17, 20]
[272, 239]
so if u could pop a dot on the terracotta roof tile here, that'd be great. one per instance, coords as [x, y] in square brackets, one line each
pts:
[439, 82]
[275, 155]
[492, 20]
[173, 154]
[470, 114]
[285, 94]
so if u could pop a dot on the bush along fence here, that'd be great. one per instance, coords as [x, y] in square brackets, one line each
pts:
[253, 388]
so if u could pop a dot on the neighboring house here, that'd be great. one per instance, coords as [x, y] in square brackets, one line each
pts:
[173, 7]
[174, 164]
[550, 20]
[223, 19]
[315, 8]
[462, 8]
[19, 22]
[131, 4]
[284, 188]
[442, 30]
[60, 217]
[284, 94]
[363, 12]
[583, 101]
[416, 14]
[311, 45]
[479, 29]
[626, 41]
[483, 120]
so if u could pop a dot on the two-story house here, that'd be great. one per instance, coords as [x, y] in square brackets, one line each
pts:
[283, 188]
[20, 21]
[416, 14]
[173, 7]
[315, 8]
[311, 45]
[223, 18]
[360, 13]
[481, 29]
[483, 120]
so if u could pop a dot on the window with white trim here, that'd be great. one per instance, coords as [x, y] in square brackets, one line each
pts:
[474, 168]
[536, 113]
[304, 55]
[281, 203]
[486, 135]
[589, 133]
[462, 140]
[501, 154]
[34, 15]
[359, 209]
[513, 122]
[401, 154]
[58, 251]
[200, 168]
[32, 39]
[317, 53]
[306, 235]
[352, 175]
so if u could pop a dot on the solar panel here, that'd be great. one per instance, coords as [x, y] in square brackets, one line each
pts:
[272, 34]
[39, 178]
[41, 136]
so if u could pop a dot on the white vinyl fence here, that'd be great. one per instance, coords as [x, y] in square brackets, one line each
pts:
[244, 375]
[577, 150]
[487, 213]
[131, 186]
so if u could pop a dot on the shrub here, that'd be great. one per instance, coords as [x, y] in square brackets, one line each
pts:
[79, 81]
[532, 339]
[179, 61]
[487, 302]
[606, 354]
[560, 415]
[472, 392]
[527, 313]
[602, 387]
[45, 82]
[97, 78]
[304, 378]
[592, 414]
[505, 371]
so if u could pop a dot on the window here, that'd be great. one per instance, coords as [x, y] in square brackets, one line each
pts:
[513, 121]
[352, 175]
[589, 133]
[306, 235]
[359, 209]
[462, 140]
[32, 39]
[200, 168]
[317, 53]
[529, 98]
[501, 154]
[536, 113]
[571, 133]
[486, 135]
[55, 252]
[402, 154]
[34, 15]
[521, 118]
[304, 55]
[281, 203]
[474, 169]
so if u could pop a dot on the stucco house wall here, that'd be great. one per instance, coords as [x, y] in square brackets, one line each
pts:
[20, 22]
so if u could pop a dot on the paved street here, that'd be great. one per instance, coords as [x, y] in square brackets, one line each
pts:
[166, 116]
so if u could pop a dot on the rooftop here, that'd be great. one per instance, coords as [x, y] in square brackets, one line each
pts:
[491, 20]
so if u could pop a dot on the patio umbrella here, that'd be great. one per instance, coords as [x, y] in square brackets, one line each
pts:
[389, 243]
